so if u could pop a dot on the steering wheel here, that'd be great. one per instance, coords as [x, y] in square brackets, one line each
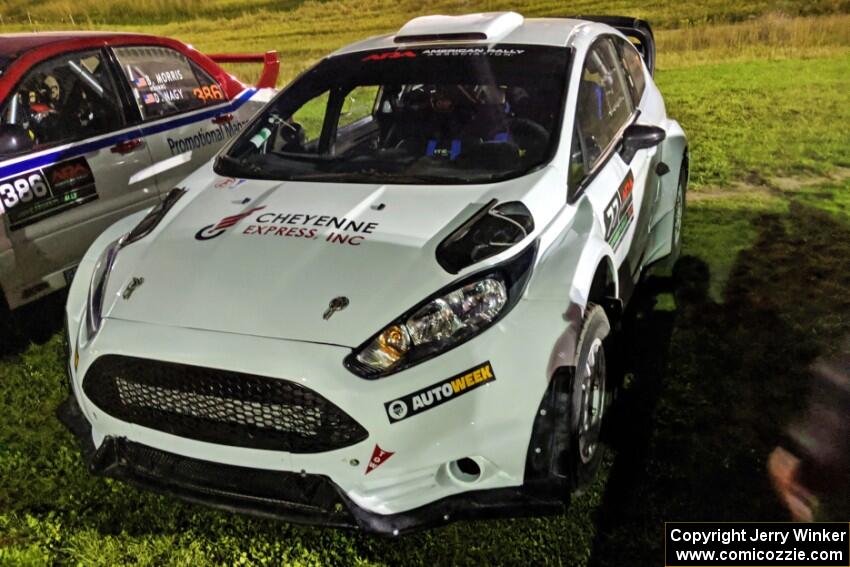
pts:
[531, 137]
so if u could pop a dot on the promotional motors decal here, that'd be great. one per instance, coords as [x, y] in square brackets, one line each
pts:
[620, 212]
[379, 457]
[32, 196]
[439, 393]
[205, 137]
[343, 230]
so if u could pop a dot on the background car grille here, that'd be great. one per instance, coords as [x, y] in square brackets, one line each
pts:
[218, 406]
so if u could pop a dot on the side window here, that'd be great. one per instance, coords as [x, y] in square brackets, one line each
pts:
[633, 64]
[310, 118]
[604, 100]
[166, 82]
[62, 100]
[358, 104]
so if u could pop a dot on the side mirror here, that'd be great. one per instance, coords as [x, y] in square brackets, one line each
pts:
[14, 139]
[640, 137]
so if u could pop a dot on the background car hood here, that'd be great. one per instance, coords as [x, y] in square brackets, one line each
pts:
[261, 258]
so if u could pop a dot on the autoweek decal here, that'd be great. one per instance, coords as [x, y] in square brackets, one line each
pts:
[439, 393]
[620, 212]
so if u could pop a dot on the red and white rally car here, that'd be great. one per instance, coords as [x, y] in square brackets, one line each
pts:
[96, 126]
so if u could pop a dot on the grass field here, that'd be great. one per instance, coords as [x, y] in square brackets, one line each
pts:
[765, 100]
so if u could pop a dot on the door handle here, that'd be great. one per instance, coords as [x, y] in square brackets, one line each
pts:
[222, 118]
[126, 146]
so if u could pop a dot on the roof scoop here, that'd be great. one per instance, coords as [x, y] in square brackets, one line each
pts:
[471, 27]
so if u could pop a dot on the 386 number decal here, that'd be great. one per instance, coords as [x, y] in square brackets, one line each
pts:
[28, 197]
[208, 92]
[22, 190]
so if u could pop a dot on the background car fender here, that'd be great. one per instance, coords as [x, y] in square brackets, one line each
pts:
[671, 151]
[79, 290]
[564, 276]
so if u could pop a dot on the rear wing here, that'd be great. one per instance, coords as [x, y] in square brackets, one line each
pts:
[638, 31]
[269, 59]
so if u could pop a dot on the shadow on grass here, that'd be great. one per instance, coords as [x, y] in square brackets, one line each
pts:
[32, 323]
[700, 418]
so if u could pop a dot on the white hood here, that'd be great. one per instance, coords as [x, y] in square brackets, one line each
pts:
[266, 258]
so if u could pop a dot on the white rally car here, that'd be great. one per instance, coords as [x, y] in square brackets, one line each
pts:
[95, 126]
[398, 315]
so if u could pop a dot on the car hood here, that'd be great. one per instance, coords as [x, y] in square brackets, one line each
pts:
[267, 258]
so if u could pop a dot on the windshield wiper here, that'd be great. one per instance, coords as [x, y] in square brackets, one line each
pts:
[380, 177]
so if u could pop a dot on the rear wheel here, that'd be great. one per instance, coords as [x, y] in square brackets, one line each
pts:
[591, 394]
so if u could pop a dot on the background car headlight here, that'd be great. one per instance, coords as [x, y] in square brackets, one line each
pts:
[444, 321]
[97, 287]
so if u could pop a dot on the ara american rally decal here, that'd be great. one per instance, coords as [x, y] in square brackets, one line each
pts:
[439, 393]
[620, 212]
[37, 194]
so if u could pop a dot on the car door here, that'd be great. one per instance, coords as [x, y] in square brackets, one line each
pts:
[185, 114]
[647, 183]
[604, 109]
[73, 178]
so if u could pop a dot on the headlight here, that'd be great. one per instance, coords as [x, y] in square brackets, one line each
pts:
[444, 321]
[97, 287]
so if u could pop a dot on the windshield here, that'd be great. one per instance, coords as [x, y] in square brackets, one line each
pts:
[436, 115]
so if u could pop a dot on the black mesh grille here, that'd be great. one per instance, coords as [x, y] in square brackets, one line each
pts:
[228, 408]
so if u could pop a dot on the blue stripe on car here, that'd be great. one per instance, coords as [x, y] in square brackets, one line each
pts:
[87, 147]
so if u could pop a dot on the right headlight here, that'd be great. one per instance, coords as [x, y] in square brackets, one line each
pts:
[103, 266]
[97, 287]
[444, 321]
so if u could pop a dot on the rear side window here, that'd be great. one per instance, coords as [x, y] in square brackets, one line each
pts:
[605, 101]
[166, 82]
[633, 64]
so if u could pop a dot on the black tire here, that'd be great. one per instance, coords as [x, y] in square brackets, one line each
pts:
[5, 324]
[591, 395]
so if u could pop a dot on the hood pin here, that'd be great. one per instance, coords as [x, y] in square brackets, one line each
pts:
[131, 287]
[336, 304]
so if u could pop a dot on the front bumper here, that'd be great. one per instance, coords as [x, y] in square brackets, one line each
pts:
[493, 424]
[295, 497]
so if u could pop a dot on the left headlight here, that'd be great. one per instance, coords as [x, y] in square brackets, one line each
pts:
[444, 321]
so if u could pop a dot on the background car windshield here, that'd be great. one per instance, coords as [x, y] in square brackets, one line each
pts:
[437, 115]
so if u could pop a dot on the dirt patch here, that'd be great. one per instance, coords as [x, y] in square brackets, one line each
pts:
[765, 189]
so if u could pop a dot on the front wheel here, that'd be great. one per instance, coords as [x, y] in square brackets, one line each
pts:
[591, 393]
